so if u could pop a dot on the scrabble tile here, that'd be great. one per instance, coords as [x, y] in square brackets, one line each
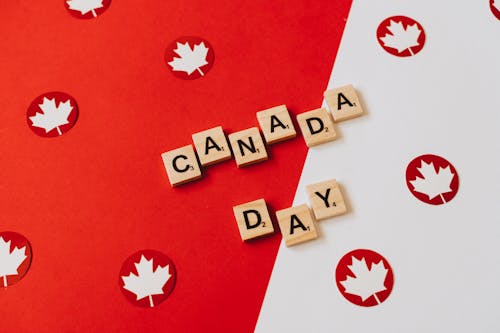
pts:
[316, 127]
[276, 124]
[253, 219]
[211, 146]
[248, 147]
[182, 165]
[296, 224]
[343, 103]
[326, 199]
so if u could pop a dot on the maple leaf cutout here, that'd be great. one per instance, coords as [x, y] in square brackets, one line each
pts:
[190, 59]
[147, 283]
[85, 6]
[367, 282]
[10, 261]
[401, 38]
[434, 183]
[52, 116]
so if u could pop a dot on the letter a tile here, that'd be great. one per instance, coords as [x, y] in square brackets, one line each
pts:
[343, 103]
[253, 219]
[276, 124]
[297, 225]
[182, 165]
[211, 146]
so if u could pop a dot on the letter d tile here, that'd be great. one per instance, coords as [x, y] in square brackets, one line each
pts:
[253, 219]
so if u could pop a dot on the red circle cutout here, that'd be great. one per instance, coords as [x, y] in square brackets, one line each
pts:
[15, 257]
[52, 114]
[495, 8]
[86, 9]
[147, 278]
[432, 179]
[364, 277]
[401, 36]
[189, 57]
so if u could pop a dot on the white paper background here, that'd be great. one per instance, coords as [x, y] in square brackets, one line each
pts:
[444, 101]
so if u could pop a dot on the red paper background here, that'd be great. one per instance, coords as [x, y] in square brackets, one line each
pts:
[89, 199]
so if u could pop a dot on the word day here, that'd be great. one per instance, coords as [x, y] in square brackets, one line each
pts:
[297, 224]
[184, 164]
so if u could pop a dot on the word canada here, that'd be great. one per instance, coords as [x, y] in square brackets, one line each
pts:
[247, 146]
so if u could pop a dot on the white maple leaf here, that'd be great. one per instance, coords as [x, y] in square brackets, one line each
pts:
[367, 282]
[434, 183]
[10, 261]
[147, 283]
[401, 38]
[190, 59]
[85, 6]
[52, 116]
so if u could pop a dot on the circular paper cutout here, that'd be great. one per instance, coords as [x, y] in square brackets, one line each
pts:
[364, 277]
[15, 257]
[147, 278]
[52, 114]
[190, 57]
[432, 179]
[401, 36]
[495, 8]
[86, 9]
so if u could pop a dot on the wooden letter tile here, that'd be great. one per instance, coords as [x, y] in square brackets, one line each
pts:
[276, 124]
[253, 219]
[211, 146]
[296, 224]
[181, 165]
[248, 147]
[316, 127]
[326, 199]
[343, 103]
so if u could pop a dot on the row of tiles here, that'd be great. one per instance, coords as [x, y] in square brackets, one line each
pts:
[297, 224]
[247, 146]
